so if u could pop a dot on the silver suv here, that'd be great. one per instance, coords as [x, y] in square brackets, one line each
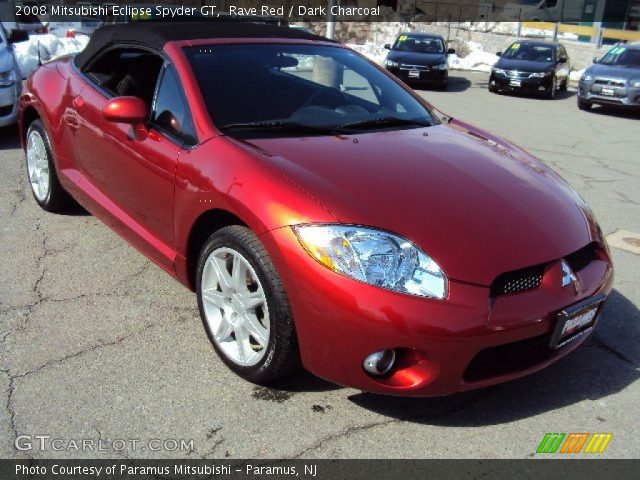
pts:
[613, 79]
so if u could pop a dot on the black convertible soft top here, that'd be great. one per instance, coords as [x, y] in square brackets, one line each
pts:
[156, 35]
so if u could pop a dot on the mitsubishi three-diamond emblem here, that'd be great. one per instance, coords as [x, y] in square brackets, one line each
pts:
[568, 277]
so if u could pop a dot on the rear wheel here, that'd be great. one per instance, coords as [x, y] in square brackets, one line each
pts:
[41, 170]
[583, 104]
[244, 308]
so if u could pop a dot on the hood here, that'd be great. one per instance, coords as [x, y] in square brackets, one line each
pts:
[416, 58]
[477, 208]
[6, 59]
[613, 72]
[524, 65]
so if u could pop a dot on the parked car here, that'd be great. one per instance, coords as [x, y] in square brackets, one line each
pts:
[10, 77]
[529, 66]
[330, 216]
[28, 23]
[613, 79]
[419, 58]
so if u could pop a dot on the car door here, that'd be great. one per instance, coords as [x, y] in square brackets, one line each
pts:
[129, 175]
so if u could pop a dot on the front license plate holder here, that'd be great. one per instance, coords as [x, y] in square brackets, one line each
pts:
[515, 83]
[609, 92]
[577, 320]
[414, 73]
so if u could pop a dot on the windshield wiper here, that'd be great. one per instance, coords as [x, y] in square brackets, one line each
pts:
[385, 122]
[285, 127]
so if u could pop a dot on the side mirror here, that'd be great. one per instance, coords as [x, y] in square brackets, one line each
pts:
[499, 54]
[130, 110]
[387, 46]
[562, 60]
[451, 51]
[596, 59]
[17, 36]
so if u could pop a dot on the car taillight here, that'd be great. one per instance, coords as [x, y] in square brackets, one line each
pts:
[71, 34]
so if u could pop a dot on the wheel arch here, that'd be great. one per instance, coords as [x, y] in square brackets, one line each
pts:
[207, 223]
[29, 114]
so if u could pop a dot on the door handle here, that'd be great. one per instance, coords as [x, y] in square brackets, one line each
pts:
[78, 101]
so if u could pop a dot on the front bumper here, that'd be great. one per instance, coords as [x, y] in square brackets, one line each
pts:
[426, 75]
[527, 85]
[626, 96]
[442, 346]
[9, 104]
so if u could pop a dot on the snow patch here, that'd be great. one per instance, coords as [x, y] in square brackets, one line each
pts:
[45, 48]
[478, 60]
[373, 52]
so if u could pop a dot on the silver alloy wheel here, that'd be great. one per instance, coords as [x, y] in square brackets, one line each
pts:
[38, 165]
[235, 307]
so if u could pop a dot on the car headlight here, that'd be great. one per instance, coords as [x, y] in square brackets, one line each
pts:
[586, 78]
[541, 74]
[442, 66]
[635, 83]
[375, 257]
[500, 71]
[391, 63]
[8, 78]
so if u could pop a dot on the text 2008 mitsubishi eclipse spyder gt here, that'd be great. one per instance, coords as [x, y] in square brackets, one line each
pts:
[324, 214]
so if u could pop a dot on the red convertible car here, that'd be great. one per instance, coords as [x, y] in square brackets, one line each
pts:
[325, 214]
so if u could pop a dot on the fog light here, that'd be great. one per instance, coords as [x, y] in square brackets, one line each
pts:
[379, 363]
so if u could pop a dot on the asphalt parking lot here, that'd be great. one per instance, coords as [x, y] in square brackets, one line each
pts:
[99, 343]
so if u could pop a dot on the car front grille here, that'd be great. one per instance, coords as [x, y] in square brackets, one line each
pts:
[517, 74]
[517, 281]
[405, 66]
[507, 359]
[529, 278]
[609, 83]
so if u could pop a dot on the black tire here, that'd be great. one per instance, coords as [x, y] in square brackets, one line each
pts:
[565, 85]
[551, 94]
[57, 200]
[584, 105]
[282, 357]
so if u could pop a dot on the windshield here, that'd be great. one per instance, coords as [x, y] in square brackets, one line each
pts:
[531, 53]
[622, 56]
[286, 90]
[413, 43]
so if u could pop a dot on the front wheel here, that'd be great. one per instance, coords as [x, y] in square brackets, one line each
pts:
[41, 169]
[551, 94]
[583, 104]
[564, 86]
[244, 308]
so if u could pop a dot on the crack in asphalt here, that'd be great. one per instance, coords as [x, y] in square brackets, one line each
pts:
[58, 361]
[318, 444]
